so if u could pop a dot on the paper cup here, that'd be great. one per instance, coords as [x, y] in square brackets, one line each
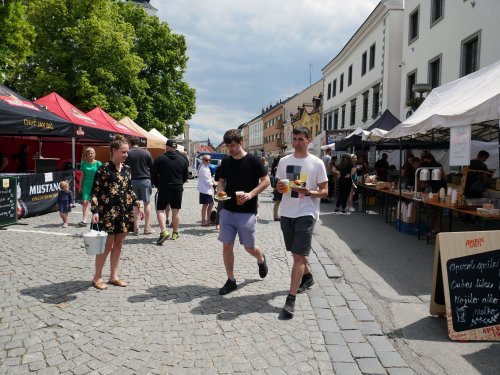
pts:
[238, 194]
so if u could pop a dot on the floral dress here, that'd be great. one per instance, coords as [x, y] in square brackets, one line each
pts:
[113, 199]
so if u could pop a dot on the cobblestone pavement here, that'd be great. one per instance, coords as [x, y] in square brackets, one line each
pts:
[170, 318]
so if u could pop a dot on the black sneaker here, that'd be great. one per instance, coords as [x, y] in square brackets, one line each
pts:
[305, 284]
[263, 269]
[337, 211]
[289, 309]
[228, 287]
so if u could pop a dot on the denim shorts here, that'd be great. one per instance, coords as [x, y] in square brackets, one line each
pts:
[297, 233]
[142, 189]
[232, 223]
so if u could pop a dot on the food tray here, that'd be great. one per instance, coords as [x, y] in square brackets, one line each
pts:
[478, 202]
[488, 211]
[218, 199]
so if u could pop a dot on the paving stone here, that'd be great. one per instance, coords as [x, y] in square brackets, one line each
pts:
[400, 371]
[363, 315]
[370, 328]
[332, 271]
[346, 322]
[353, 335]
[380, 343]
[361, 350]
[328, 325]
[370, 366]
[346, 368]
[391, 359]
[332, 338]
[339, 353]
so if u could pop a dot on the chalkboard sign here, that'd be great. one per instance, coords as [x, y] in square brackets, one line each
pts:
[8, 200]
[475, 290]
[467, 271]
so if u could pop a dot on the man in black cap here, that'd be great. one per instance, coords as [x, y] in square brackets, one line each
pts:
[170, 172]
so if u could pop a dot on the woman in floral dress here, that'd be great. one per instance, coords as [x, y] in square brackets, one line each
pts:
[112, 209]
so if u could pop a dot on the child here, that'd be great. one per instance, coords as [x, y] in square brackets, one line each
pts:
[65, 202]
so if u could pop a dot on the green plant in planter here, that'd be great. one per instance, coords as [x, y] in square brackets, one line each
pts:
[415, 102]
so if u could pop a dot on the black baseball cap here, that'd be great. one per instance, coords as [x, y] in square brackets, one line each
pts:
[171, 143]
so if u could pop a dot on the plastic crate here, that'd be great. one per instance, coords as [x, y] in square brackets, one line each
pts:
[410, 228]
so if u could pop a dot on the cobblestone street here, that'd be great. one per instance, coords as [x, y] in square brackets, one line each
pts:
[170, 318]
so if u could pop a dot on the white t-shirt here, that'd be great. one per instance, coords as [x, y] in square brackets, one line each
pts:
[310, 170]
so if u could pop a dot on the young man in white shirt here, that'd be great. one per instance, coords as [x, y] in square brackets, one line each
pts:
[299, 210]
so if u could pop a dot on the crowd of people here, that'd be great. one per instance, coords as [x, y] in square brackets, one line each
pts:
[119, 195]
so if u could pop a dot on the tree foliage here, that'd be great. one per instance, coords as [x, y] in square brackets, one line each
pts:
[168, 99]
[16, 36]
[108, 54]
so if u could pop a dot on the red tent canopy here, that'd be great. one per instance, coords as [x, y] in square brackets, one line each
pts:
[85, 126]
[99, 115]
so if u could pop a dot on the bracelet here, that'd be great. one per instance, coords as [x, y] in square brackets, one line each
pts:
[308, 193]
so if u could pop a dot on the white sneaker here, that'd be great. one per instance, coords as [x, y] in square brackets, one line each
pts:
[352, 209]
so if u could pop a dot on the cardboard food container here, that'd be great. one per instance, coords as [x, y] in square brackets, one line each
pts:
[381, 185]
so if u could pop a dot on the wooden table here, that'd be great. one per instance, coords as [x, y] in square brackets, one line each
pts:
[387, 196]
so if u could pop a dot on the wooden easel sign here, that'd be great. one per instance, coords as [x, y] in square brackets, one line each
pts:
[470, 268]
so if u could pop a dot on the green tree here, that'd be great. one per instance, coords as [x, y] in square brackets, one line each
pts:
[83, 50]
[168, 100]
[16, 36]
[109, 54]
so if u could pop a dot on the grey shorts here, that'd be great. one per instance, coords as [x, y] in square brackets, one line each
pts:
[297, 233]
[232, 223]
[142, 189]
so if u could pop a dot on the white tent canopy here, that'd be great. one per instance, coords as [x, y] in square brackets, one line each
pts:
[470, 100]
[156, 133]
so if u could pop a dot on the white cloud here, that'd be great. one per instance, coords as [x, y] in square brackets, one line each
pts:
[246, 54]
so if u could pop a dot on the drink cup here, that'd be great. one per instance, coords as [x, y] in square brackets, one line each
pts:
[286, 187]
[238, 195]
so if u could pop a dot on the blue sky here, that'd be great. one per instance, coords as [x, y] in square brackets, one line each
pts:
[245, 54]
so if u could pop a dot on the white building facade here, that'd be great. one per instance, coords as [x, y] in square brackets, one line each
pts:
[255, 135]
[444, 40]
[364, 79]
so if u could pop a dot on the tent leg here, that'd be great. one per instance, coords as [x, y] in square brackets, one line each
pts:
[73, 164]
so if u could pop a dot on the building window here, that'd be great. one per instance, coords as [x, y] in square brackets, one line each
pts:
[330, 120]
[341, 82]
[372, 56]
[325, 124]
[437, 11]
[365, 106]
[336, 119]
[342, 120]
[349, 76]
[435, 72]
[334, 88]
[470, 54]
[413, 24]
[411, 79]
[376, 100]
[329, 91]
[363, 64]
[353, 112]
